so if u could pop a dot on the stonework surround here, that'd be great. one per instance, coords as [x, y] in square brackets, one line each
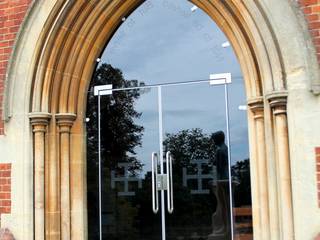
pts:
[45, 104]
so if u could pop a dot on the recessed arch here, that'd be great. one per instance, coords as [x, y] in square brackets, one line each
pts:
[86, 27]
[64, 47]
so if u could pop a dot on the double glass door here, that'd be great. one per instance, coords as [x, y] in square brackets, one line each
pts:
[165, 162]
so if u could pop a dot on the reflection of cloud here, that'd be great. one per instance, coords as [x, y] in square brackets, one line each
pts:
[240, 136]
[182, 113]
[149, 116]
[163, 41]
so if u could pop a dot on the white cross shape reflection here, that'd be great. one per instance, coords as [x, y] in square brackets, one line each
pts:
[199, 176]
[125, 179]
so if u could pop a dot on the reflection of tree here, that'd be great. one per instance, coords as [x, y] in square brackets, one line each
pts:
[131, 217]
[188, 145]
[119, 137]
[242, 191]
[119, 134]
[192, 212]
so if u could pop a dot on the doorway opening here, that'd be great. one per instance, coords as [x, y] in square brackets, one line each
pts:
[161, 102]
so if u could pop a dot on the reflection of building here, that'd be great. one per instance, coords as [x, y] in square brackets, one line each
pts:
[44, 74]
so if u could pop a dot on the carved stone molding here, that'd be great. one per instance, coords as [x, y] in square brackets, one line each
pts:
[278, 102]
[65, 121]
[39, 121]
[256, 105]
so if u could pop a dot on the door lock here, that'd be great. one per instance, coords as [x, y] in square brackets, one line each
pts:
[162, 182]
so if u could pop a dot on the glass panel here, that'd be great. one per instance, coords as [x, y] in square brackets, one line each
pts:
[195, 128]
[129, 134]
[240, 161]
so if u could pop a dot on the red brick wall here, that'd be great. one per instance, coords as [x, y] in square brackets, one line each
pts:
[12, 13]
[311, 9]
[317, 151]
[5, 188]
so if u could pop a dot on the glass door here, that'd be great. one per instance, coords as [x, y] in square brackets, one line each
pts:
[196, 136]
[129, 132]
[166, 172]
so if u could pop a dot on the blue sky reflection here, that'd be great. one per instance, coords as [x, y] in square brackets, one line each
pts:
[163, 41]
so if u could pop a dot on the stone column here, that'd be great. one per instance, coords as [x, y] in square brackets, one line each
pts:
[260, 163]
[39, 122]
[53, 184]
[278, 104]
[65, 122]
[78, 181]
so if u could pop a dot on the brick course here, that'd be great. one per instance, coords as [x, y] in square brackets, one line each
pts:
[5, 188]
[311, 10]
[12, 13]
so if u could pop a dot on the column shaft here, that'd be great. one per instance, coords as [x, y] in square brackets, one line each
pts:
[78, 186]
[53, 208]
[278, 103]
[39, 122]
[254, 173]
[65, 122]
[284, 176]
[65, 185]
[263, 179]
[39, 185]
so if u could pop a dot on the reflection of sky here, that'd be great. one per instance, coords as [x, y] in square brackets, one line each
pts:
[163, 41]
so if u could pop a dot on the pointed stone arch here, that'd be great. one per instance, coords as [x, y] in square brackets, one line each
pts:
[65, 43]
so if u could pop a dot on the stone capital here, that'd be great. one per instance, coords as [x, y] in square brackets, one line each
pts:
[256, 105]
[278, 102]
[39, 121]
[65, 121]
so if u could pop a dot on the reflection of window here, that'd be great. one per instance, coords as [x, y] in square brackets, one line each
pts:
[200, 177]
[125, 179]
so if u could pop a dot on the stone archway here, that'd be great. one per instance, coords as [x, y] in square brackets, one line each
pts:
[68, 39]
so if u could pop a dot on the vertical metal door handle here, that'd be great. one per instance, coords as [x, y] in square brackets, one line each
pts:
[169, 182]
[155, 199]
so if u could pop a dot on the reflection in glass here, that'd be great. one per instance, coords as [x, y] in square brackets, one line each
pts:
[202, 201]
[194, 126]
[185, 45]
[193, 152]
[126, 177]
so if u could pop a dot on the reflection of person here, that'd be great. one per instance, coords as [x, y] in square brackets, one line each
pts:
[221, 217]
[5, 234]
[221, 160]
